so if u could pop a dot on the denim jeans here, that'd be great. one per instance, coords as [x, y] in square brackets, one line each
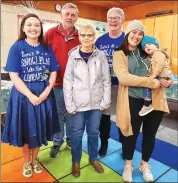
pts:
[90, 119]
[147, 93]
[58, 137]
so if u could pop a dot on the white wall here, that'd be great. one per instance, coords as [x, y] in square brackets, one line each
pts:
[9, 26]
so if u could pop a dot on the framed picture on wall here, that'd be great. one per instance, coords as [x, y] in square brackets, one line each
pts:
[100, 27]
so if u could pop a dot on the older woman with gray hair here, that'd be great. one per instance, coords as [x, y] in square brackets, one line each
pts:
[107, 43]
[87, 92]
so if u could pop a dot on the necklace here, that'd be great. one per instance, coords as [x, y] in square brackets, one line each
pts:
[140, 59]
[135, 58]
[33, 45]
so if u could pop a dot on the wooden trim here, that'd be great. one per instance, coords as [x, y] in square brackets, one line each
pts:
[139, 11]
[85, 11]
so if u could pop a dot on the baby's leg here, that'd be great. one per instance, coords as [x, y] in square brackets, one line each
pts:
[147, 97]
[147, 107]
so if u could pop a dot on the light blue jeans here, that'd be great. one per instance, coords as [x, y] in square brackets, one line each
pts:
[90, 119]
[58, 137]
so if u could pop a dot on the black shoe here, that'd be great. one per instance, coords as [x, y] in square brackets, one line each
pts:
[54, 151]
[103, 150]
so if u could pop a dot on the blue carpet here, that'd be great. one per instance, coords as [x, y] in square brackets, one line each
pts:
[170, 176]
[112, 146]
[164, 152]
[158, 168]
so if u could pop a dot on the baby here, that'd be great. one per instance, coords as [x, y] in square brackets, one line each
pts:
[159, 68]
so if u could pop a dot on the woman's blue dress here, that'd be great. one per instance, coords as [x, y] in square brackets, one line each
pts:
[26, 123]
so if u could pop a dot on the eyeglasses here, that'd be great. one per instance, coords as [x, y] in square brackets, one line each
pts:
[86, 35]
[114, 18]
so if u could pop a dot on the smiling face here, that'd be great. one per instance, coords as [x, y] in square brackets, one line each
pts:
[150, 48]
[32, 28]
[134, 39]
[69, 17]
[114, 21]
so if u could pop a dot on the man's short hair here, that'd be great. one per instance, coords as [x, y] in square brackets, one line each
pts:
[70, 5]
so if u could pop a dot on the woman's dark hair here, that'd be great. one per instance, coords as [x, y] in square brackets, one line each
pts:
[125, 47]
[22, 35]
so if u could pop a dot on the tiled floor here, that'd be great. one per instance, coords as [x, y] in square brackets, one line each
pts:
[170, 137]
[59, 169]
[168, 130]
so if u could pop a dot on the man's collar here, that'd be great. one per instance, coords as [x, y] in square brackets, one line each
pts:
[63, 32]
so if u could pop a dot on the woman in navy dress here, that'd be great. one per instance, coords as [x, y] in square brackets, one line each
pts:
[30, 116]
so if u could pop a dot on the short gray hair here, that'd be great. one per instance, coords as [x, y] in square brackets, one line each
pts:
[70, 5]
[118, 10]
[86, 27]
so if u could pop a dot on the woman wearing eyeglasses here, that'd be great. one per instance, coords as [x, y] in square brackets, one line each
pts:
[87, 92]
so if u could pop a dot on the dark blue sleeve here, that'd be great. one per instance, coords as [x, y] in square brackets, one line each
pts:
[54, 66]
[13, 63]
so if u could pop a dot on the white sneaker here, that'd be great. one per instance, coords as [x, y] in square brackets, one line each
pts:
[145, 169]
[127, 173]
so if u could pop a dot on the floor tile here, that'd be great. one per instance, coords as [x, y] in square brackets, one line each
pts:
[171, 120]
[89, 175]
[61, 165]
[113, 117]
[114, 161]
[85, 132]
[50, 144]
[12, 172]
[111, 160]
[9, 153]
[112, 146]
[170, 137]
[160, 127]
[170, 176]
[157, 167]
